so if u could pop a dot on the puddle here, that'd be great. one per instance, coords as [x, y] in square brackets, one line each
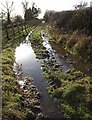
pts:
[53, 54]
[31, 67]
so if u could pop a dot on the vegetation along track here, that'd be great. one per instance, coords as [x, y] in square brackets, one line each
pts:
[70, 88]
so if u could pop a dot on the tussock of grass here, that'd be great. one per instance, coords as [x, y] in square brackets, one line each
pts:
[11, 96]
[76, 43]
[72, 88]
[17, 103]
[74, 94]
[73, 91]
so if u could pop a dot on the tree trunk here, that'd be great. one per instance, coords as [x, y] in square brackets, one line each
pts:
[8, 18]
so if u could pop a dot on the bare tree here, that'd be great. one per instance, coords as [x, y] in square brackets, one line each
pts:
[18, 19]
[2, 15]
[35, 11]
[7, 9]
[82, 5]
[30, 12]
[25, 5]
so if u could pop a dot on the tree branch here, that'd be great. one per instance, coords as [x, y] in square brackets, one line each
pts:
[11, 5]
[3, 10]
[3, 5]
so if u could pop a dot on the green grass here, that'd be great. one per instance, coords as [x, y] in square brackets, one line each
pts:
[14, 103]
[72, 88]
[74, 94]
[12, 95]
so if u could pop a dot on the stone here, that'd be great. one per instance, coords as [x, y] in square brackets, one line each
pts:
[40, 117]
[36, 109]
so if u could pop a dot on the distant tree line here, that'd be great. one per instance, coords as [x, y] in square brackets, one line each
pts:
[71, 20]
[7, 9]
[81, 5]
[29, 12]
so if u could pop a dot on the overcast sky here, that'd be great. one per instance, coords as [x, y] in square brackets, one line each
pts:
[57, 5]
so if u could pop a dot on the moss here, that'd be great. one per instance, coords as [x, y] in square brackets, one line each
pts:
[74, 95]
[12, 95]
[35, 38]
[7, 69]
[30, 115]
[73, 90]
[17, 96]
[9, 114]
[58, 93]
[68, 111]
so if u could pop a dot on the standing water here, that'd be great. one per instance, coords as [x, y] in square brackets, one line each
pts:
[65, 66]
[32, 68]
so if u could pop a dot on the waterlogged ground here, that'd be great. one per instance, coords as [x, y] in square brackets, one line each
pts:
[66, 83]
[31, 67]
[78, 63]
[47, 86]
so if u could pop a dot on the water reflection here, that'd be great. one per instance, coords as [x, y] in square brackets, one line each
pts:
[62, 62]
[23, 51]
[32, 67]
[25, 55]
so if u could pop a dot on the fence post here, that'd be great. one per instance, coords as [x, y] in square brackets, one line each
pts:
[6, 32]
[28, 28]
[25, 28]
[13, 31]
[18, 30]
[22, 28]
